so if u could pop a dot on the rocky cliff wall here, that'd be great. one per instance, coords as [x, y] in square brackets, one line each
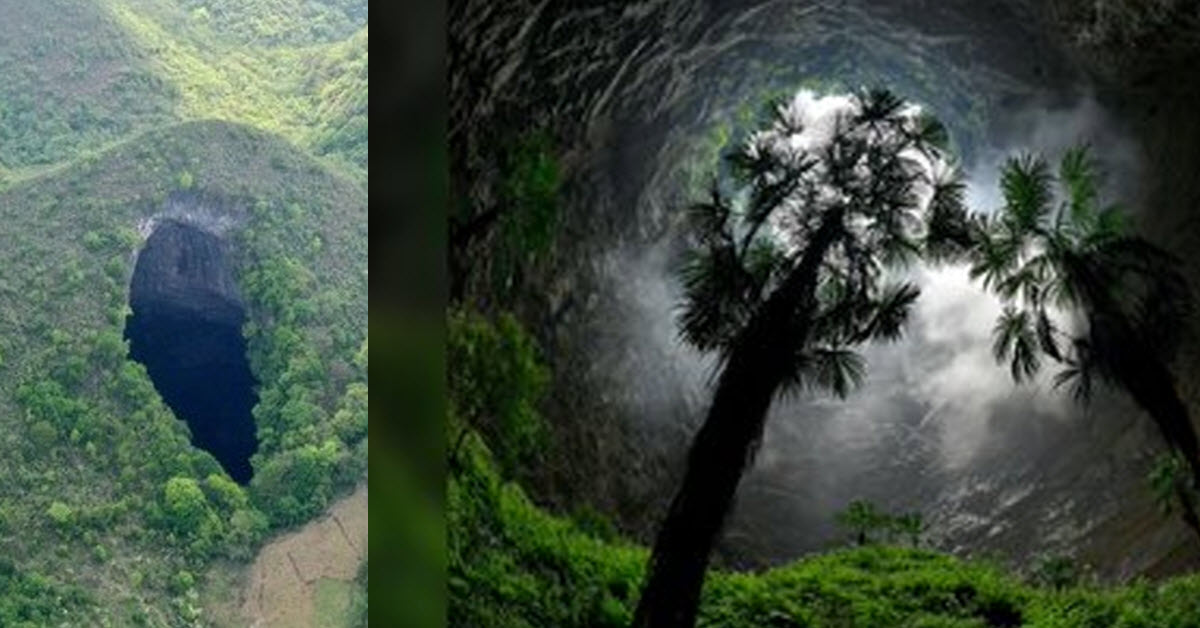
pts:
[628, 87]
[187, 269]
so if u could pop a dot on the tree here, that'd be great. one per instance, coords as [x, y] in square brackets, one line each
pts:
[783, 277]
[224, 492]
[862, 518]
[186, 505]
[911, 525]
[61, 514]
[350, 421]
[296, 484]
[495, 385]
[1127, 297]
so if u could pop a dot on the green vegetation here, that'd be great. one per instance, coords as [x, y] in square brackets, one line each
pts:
[305, 343]
[499, 243]
[29, 600]
[113, 112]
[333, 602]
[103, 484]
[264, 70]
[75, 81]
[1057, 245]
[785, 277]
[94, 73]
[867, 524]
[1169, 480]
[498, 382]
[358, 601]
[270, 23]
[512, 564]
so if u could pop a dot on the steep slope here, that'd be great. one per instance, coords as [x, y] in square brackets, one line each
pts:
[73, 80]
[82, 75]
[104, 489]
[626, 90]
[298, 69]
[511, 564]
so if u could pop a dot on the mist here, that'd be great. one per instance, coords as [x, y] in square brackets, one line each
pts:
[938, 427]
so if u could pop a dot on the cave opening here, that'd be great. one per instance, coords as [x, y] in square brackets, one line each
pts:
[186, 328]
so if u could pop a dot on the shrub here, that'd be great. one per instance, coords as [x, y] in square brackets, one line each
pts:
[495, 382]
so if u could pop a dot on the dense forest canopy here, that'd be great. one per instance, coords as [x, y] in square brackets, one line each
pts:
[244, 120]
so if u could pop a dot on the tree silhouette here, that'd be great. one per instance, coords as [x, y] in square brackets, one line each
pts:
[785, 274]
[1041, 254]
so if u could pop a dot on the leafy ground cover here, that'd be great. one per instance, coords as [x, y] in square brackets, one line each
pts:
[512, 563]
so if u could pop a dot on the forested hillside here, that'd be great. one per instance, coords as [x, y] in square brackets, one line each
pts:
[247, 120]
[82, 75]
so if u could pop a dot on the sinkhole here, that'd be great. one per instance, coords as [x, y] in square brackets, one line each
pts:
[186, 328]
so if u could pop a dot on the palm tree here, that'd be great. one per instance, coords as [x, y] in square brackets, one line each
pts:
[1040, 254]
[783, 278]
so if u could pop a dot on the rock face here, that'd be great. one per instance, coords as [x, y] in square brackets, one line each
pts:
[185, 270]
[631, 89]
[186, 329]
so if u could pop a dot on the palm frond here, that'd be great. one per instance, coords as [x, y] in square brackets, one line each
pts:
[1046, 330]
[1079, 372]
[878, 105]
[1086, 280]
[930, 133]
[1025, 182]
[713, 307]
[769, 196]
[751, 162]
[835, 369]
[948, 228]
[709, 220]
[897, 249]
[1078, 380]
[1109, 224]
[891, 310]
[783, 117]
[763, 259]
[994, 256]
[1016, 341]
[1022, 282]
[1080, 177]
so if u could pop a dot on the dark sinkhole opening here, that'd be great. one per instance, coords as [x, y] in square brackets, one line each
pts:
[186, 328]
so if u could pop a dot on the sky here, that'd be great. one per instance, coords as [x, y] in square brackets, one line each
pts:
[937, 418]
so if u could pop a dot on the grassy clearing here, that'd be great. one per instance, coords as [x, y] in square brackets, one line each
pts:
[332, 603]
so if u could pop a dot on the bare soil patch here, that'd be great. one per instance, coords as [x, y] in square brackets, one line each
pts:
[321, 560]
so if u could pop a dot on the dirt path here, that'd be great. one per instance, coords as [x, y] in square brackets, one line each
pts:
[318, 561]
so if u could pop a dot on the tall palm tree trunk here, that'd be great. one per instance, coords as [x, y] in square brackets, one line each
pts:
[758, 364]
[720, 452]
[1152, 387]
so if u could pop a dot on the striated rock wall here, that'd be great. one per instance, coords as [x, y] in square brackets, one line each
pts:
[628, 87]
